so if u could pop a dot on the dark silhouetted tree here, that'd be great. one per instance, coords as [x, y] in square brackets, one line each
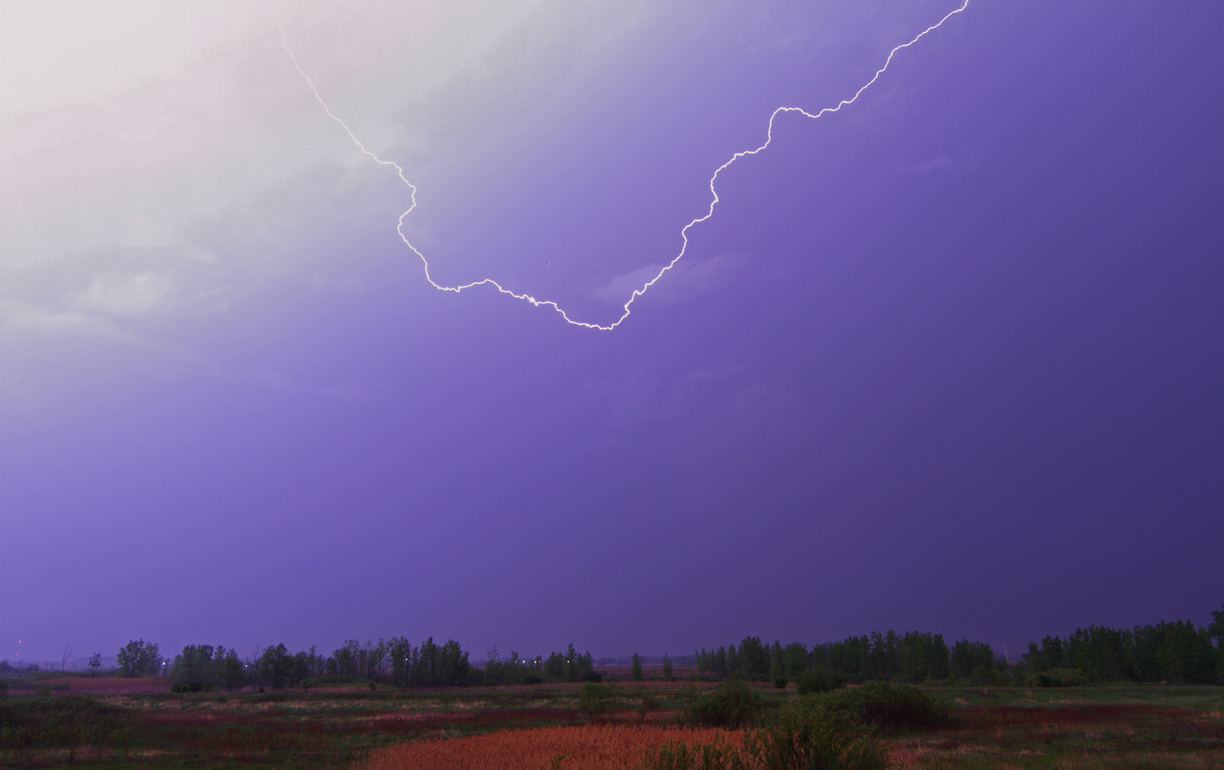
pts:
[753, 659]
[275, 667]
[968, 656]
[139, 658]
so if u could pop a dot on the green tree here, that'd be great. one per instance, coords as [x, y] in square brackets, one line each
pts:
[794, 660]
[139, 658]
[95, 663]
[230, 672]
[635, 668]
[275, 666]
[967, 656]
[1100, 652]
[1216, 629]
[399, 650]
[668, 669]
[753, 659]
[554, 667]
[569, 667]
[1046, 657]
[454, 667]
[882, 658]
[922, 656]
[193, 666]
[777, 666]
[346, 660]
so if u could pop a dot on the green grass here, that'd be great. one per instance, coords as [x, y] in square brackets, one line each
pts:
[1179, 696]
[1106, 726]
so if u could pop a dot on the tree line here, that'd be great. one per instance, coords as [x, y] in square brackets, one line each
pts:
[1165, 652]
[395, 662]
[912, 656]
[1175, 651]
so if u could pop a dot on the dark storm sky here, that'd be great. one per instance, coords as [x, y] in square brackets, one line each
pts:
[949, 360]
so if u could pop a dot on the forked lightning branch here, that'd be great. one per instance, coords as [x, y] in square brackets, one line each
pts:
[627, 307]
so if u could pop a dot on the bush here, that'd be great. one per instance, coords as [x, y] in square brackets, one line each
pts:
[891, 707]
[1058, 677]
[592, 698]
[810, 735]
[718, 755]
[818, 680]
[988, 676]
[803, 735]
[731, 705]
[645, 706]
[780, 682]
[532, 679]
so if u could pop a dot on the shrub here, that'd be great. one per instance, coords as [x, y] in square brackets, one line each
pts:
[1058, 677]
[802, 735]
[987, 676]
[675, 755]
[891, 707]
[532, 679]
[732, 704]
[818, 680]
[780, 682]
[810, 735]
[645, 706]
[592, 698]
[3, 688]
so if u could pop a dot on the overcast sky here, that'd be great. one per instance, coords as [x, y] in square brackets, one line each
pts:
[950, 359]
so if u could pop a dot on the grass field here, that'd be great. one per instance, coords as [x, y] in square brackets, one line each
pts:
[1123, 726]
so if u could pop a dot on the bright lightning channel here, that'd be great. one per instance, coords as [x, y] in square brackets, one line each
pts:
[683, 232]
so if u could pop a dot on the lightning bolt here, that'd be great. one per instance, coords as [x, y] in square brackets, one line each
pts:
[627, 307]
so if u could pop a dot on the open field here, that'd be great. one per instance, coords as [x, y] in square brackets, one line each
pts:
[1124, 726]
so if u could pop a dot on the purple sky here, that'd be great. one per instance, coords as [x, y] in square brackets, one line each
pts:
[949, 360]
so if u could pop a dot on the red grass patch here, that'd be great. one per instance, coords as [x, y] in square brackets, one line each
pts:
[588, 747]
